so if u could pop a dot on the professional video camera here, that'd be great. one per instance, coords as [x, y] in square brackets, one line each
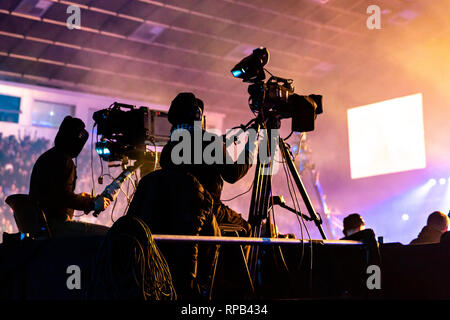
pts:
[276, 97]
[130, 133]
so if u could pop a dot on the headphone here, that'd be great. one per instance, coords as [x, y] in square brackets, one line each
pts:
[197, 113]
[82, 135]
[185, 107]
[79, 135]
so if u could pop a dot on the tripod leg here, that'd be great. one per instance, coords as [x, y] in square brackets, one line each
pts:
[301, 188]
[213, 277]
[259, 205]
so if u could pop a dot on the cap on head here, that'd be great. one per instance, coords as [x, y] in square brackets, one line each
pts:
[185, 108]
[71, 136]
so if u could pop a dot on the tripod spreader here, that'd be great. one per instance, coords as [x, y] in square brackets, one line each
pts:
[279, 200]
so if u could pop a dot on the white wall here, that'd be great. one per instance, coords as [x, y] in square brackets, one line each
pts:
[83, 103]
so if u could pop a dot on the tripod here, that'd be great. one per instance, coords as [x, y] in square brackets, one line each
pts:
[307, 165]
[262, 193]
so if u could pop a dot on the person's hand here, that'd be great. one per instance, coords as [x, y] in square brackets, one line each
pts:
[101, 203]
[85, 194]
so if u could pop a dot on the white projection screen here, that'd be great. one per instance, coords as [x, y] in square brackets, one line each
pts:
[386, 137]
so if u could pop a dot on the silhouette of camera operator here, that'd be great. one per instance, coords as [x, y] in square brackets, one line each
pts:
[53, 182]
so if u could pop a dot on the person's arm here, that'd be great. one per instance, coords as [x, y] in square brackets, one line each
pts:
[68, 198]
[231, 171]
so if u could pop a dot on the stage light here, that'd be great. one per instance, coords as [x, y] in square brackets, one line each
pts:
[442, 181]
[432, 182]
[405, 217]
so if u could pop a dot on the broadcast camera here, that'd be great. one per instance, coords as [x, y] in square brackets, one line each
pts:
[276, 97]
[129, 133]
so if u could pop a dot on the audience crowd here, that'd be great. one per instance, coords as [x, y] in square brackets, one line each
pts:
[17, 157]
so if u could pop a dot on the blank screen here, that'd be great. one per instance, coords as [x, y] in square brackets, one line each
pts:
[386, 137]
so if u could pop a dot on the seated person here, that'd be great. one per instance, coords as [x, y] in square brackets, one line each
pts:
[171, 202]
[437, 224]
[53, 182]
[355, 229]
[184, 110]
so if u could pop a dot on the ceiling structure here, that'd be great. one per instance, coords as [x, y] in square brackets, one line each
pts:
[152, 49]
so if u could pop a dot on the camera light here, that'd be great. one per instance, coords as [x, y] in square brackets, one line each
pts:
[103, 151]
[237, 73]
[442, 181]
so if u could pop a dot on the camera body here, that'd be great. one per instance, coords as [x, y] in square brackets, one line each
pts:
[125, 130]
[276, 96]
[126, 127]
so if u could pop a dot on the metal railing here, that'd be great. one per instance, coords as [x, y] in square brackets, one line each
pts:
[248, 241]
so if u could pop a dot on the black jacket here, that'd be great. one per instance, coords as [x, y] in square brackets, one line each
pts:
[211, 176]
[52, 185]
[172, 202]
[428, 235]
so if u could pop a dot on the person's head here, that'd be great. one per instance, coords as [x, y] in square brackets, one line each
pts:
[185, 109]
[438, 221]
[352, 224]
[71, 136]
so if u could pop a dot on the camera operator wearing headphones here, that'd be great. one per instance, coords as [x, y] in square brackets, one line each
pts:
[184, 110]
[53, 181]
